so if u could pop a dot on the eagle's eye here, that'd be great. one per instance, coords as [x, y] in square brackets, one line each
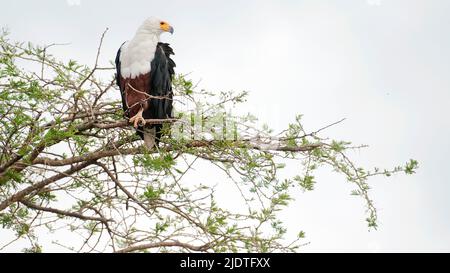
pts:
[161, 23]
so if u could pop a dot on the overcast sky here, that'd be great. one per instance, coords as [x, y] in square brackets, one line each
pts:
[382, 64]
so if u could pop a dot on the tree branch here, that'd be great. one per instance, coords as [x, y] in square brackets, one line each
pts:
[124, 123]
[116, 181]
[164, 244]
[192, 144]
[65, 213]
[21, 194]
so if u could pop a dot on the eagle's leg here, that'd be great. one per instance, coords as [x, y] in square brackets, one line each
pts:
[138, 119]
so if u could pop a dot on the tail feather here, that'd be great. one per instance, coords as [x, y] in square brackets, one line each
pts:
[150, 137]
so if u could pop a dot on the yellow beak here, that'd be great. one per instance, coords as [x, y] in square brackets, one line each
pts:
[167, 28]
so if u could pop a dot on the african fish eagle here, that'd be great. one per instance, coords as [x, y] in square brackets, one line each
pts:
[144, 76]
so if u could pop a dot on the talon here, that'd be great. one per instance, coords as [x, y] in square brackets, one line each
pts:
[137, 120]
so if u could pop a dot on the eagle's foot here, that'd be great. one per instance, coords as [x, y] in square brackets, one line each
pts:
[137, 119]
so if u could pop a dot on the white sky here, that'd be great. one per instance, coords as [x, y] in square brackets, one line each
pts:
[382, 64]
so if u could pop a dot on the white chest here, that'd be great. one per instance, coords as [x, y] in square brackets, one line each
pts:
[136, 55]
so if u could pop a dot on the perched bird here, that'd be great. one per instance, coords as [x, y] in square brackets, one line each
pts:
[144, 76]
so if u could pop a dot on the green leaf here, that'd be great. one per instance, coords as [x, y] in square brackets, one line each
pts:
[307, 182]
[151, 193]
[301, 234]
[411, 166]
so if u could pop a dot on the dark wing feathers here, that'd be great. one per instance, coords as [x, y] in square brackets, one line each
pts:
[161, 73]
[118, 76]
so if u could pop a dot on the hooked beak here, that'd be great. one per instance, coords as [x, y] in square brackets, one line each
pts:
[166, 27]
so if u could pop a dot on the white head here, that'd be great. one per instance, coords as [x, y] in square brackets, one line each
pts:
[155, 26]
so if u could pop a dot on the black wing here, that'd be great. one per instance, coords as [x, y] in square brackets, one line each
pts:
[162, 70]
[161, 73]
[122, 92]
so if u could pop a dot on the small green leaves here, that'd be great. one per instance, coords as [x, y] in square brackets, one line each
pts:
[152, 194]
[11, 175]
[185, 85]
[48, 196]
[34, 249]
[281, 200]
[158, 162]
[411, 166]
[6, 220]
[213, 223]
[22, 229]
[372, 222]
[301, 234]
[161, 227]
[54, 135]
[355, 192]
[306, 183]
[339, 146]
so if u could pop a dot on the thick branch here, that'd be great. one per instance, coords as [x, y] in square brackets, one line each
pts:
[193, 144]
[125, 123]
[164, 244]
[21, 194]
[20, 166]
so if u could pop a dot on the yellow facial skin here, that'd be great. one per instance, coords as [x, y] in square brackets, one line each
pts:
[166, 27]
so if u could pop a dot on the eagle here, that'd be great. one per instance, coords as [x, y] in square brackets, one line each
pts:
[144, 72]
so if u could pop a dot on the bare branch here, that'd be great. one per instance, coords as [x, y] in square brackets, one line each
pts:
[65, 213]
[22, 193]
[164, 244]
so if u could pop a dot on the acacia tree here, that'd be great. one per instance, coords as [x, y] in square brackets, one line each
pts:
[70, 164]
